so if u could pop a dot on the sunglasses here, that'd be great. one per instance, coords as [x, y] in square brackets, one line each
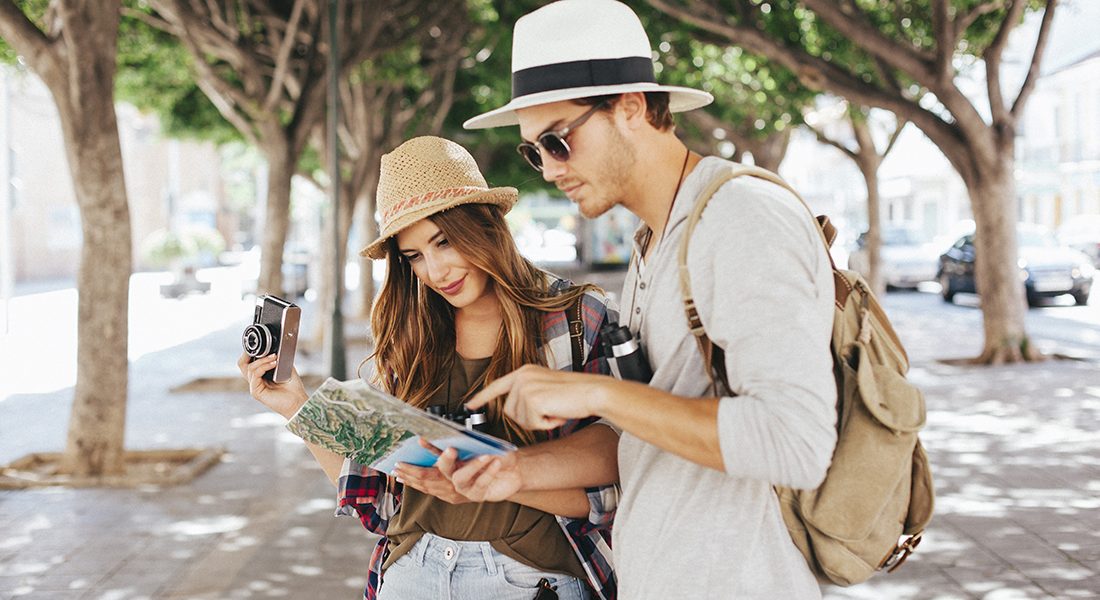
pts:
[553, 142]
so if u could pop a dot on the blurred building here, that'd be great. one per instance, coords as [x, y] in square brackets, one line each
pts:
[1058, 149]
[170, 183]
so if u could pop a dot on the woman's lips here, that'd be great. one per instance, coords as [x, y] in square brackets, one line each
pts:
[454, 288]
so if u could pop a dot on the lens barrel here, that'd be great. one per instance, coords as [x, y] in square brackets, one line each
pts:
[257, 341]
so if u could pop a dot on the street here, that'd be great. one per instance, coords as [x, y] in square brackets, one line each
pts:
[1014, 449]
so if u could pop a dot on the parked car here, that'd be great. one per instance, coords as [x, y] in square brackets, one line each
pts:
[1082, 233]
[907, 257]
[1047, 268]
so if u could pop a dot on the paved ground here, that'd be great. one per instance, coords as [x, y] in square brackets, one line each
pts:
[1015, 453]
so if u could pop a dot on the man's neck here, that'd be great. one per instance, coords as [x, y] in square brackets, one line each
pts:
[658, 174]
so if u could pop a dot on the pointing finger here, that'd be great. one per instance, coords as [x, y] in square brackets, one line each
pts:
[498, 387]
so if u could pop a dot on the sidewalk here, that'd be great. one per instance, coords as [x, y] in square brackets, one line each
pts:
[1015, 455]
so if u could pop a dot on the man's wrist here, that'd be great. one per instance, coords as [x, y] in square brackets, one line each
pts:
[523, 462]
[601, 402]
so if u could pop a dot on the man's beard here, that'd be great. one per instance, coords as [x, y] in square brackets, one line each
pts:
[615, 171]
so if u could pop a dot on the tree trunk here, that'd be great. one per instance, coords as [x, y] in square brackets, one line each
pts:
[873, 241]
[98, 421]
[868, 161]
[993, 198]
[81, 79]
[370, 233]
[280, 165]
[327, 281]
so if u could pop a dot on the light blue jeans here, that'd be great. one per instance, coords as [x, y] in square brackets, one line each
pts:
[440, 569]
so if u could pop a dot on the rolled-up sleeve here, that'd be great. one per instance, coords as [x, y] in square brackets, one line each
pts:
[764, 290]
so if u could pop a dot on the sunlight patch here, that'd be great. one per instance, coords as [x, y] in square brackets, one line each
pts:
[207, 526]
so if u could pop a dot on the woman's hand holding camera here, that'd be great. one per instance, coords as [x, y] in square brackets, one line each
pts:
[283, 398]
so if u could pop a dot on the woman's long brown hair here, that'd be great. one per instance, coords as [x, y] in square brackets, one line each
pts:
[414, 327]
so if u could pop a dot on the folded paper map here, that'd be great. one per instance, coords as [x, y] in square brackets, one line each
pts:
[373, 428]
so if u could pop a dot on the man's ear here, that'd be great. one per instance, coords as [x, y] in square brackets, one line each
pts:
[633, 106]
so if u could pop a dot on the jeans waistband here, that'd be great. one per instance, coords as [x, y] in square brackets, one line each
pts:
[452, 554]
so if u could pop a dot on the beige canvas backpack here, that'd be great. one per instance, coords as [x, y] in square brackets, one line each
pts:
[877, 497]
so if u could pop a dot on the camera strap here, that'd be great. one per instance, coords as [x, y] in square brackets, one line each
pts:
[576, 332]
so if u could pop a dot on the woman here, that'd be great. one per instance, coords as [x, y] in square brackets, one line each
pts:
[460, 307]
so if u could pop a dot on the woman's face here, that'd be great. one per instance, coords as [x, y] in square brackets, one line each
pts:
[439, 266]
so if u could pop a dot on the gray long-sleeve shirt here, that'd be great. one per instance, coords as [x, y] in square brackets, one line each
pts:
[764, 290]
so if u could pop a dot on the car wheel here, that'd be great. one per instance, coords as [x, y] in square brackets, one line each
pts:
[1081, 298]
[947, 291]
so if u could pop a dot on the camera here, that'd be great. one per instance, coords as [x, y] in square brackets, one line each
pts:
[476, 420]
[623, 350]
[274, 329]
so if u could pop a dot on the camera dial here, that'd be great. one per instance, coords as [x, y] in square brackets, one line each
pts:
[257, 340]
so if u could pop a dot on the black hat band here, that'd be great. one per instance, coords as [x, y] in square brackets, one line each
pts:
[582, 73]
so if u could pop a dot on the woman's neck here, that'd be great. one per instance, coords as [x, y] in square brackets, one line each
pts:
[477, 327]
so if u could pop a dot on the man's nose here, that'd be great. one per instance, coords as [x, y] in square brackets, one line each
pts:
[552, 168]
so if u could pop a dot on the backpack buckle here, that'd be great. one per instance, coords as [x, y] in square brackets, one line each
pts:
[695, 323]
[901, 552]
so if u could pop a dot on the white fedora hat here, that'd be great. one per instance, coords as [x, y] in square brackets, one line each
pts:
[577, 49]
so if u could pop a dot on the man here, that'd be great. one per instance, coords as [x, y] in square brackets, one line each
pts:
[698, 517]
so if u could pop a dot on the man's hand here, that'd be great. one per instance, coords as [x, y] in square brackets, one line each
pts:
[541, 398]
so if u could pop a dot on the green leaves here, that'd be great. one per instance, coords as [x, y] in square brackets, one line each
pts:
[155, 75]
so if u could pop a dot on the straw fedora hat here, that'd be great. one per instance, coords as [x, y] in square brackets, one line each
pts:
[424, 176]
[573, 49]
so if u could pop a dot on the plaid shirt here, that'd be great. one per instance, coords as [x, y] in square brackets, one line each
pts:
[375, 498]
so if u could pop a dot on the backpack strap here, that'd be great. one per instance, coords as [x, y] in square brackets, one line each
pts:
[576, 332]
[713, 355]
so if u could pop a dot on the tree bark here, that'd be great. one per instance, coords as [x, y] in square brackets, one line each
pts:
[1002, 298]
[367, 289]
[281, 168]
[76, 60]
[868, 160]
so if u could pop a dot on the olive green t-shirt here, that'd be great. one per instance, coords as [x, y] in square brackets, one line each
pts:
[528, 535]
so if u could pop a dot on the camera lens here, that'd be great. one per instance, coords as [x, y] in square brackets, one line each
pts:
[257, 341]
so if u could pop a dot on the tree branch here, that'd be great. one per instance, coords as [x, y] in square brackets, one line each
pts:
[963, 22]
[901, 123]
[815, 73]
[27, 39]
[992, 56]
[946, 38]
[281, 62]
[824, 139]
[853, 24]
[221, 95]
[1036, 61]
[151, 20]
